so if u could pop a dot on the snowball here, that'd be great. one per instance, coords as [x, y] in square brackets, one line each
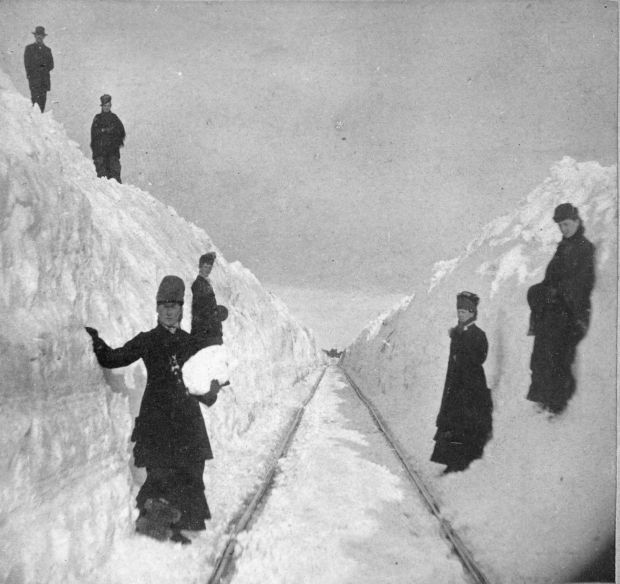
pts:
[206, 365]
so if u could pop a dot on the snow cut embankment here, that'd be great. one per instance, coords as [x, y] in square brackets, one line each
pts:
[77, 250]
[539, 505]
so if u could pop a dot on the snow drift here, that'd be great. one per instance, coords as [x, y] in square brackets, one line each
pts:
[76, 250]
[539, 505]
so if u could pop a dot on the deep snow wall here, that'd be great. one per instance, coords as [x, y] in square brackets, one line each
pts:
[76, 250]
[539, 505]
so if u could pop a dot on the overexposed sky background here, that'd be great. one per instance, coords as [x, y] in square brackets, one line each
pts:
[335, 146]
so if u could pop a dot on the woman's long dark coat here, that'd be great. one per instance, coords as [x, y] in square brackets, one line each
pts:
[560, 318]
[464, 421]
[170, 430]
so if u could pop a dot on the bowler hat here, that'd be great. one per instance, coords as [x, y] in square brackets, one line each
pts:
[40, 30]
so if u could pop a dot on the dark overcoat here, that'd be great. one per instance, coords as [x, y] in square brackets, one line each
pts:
[107, 135]
[568, 283]
[204, 307]
[560, 318]
[170, 430]
[464, 421]
[38, 61]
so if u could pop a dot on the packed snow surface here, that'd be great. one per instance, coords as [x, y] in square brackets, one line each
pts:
[341, 509]
[77, 250]
[539, 506]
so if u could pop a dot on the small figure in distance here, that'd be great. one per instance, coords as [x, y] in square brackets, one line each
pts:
[560, 313]
[107, 136]
[170, 436]
[207, 315]
[464, 423]
[38, 61]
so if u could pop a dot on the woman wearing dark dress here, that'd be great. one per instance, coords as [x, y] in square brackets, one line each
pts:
[170, 437]
[464, 422]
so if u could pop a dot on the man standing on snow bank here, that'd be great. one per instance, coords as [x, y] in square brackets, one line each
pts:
[38, 61]
[107, 136]
[560, 315]
[464, 422]
[170, 434]
[207, 316]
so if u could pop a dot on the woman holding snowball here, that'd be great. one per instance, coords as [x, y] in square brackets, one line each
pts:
[170, 437]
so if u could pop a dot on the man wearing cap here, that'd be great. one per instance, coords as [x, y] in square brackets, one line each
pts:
[170, 437]
[107, 136]
[205, 316]
[38, 62]
[464, 422]
[560, 313]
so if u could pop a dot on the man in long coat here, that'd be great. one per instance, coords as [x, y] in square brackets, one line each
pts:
[464, 422]
[107, 136]
[560, 316]
[170, 437]
[205, 319]
[38, 61]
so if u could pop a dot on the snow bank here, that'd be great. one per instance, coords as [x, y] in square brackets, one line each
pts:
[539, 505]
[76, 250]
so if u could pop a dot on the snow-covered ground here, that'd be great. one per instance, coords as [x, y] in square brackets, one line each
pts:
[540, 504]
[76, 250]
[341, 509]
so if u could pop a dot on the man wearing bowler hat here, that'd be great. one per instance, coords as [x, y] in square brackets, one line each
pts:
[38, 62]
[107, 135]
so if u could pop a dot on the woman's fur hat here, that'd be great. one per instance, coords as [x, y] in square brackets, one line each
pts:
[171, 289]
[467, 301]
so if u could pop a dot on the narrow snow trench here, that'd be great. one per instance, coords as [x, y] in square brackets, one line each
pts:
[341, 509]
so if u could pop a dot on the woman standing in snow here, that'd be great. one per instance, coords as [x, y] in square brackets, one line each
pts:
[464, 422]
[170, 437]
[560, 315]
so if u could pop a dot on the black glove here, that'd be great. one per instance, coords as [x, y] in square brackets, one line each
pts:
[98, 344]
[94, 333]
[209, 398]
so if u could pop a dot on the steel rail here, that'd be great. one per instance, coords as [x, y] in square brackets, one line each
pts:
[471, 568]
[225, 561]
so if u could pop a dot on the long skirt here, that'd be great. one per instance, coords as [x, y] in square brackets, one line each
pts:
[457, 449]
[555, 342]
[183, 488]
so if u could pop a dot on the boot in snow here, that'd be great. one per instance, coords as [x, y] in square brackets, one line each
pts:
[157, 518]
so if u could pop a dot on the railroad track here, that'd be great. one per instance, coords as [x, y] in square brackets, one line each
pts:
[224, 565]
[472, 570]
